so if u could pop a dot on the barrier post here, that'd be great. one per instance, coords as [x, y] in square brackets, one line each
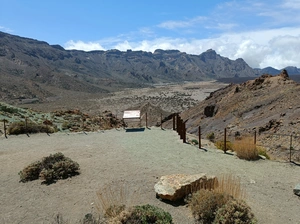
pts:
[199, 133]
[161, 121]
[4, 123]
[146, 120]
[255, 137]
[174, 122]
[225, 141]
[26, 129]
[291, 142]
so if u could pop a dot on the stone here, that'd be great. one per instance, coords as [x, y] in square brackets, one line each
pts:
[297, 190]
[176, 187]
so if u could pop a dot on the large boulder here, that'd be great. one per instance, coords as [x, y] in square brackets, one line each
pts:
[176, 187]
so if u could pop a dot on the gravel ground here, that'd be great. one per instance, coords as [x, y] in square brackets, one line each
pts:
[135, 160]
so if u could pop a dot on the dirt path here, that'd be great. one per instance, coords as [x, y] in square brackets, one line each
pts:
[136, 160]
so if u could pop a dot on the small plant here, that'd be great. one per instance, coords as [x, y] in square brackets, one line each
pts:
[50, 169]
[211, 136]
[147, 214]
[194, 142]
[246, 149]
[221, 145]
[262, 151]
[235, 211]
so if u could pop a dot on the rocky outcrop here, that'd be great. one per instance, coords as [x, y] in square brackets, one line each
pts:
[176, 187]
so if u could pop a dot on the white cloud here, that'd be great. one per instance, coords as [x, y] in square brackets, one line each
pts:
[182, 24]
[80, 45]
[277, 47]
[5, 29]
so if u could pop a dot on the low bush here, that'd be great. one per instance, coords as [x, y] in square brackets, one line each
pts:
[50, 169]
[147, 214]
[205, 203]
[246, 149]
[17, 128]
[235, 211]
[221, 145]
[194, 142]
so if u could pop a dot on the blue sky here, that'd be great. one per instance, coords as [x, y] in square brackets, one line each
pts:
[263, 33]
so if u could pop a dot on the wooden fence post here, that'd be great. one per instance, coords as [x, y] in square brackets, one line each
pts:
[255, 137]
[161, 121]
[146, 120]
[199, 133]
[225, 141]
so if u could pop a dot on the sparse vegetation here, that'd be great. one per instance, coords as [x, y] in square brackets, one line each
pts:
[50, 169]
[211, 136]
[206, 203]
[147, 214]
[220, 145]
[234, 211]
[262, 151]
[246, 149]
[17, 128]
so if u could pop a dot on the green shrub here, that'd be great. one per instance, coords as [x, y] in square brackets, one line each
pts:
[194, 142]
[235, 211]
[220, 145]
[50, 169]
[147, 214]
[211, 136]
[205, 203]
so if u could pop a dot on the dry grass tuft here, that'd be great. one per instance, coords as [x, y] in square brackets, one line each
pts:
[246, 149]
[229, 185]
[114, 198]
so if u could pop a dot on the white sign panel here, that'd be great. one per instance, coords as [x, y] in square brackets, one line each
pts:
[131, 114]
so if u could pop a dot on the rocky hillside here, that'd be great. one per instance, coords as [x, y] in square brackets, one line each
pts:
[269, 104]
[34, 70]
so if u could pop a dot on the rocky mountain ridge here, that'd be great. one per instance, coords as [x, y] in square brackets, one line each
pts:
[32, 69]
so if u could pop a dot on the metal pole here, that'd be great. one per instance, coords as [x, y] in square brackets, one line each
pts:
[255, 137]
[199, 132]
[184, 133]
[4, 128]
[225, 148]
[291, 141]
[181, 128]
[26, 131]
[161, 120]
[146, 120]
[174, 122]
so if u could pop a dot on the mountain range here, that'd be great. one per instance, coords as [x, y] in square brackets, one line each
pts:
[33, 69]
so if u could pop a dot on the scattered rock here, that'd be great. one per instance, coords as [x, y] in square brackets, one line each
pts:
[176, 187]
[297, 190]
